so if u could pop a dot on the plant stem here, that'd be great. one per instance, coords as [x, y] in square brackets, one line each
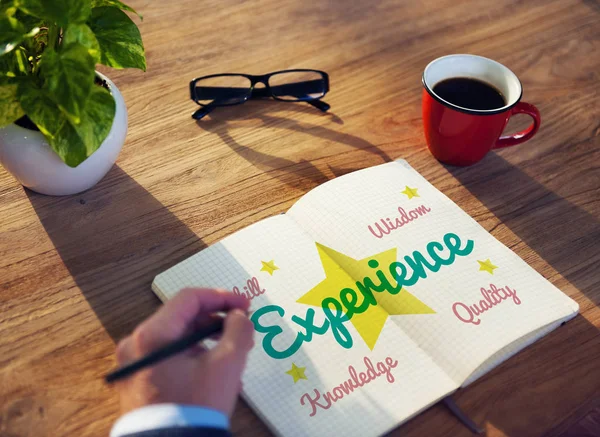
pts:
[53, 36]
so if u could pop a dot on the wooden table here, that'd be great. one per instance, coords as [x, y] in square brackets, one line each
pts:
[75, 272]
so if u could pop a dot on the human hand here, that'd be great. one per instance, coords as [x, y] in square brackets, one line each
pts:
[208, 378]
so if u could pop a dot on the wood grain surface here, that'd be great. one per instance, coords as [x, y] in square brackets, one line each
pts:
[75, 272]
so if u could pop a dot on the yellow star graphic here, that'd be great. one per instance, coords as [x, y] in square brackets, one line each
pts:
[487, 266]
[269, 267]
[410, 192]
[297, 373]
[343, 272]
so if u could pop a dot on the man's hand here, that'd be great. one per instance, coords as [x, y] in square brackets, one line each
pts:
[208, 378]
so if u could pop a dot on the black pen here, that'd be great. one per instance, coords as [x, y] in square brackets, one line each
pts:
[166, 351]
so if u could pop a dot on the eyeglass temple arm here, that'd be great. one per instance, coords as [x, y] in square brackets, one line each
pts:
[300, 90]
[319, 104]
[205, 110]
[202, 112]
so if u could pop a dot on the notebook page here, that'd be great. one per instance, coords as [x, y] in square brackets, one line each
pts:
[483, 295]
[325, 386]
[511, 350]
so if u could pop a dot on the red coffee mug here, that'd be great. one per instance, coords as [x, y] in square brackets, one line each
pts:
[463, 136]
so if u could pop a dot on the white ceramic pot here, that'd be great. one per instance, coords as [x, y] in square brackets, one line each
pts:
[28, 157]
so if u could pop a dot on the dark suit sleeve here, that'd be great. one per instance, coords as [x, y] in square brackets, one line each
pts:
[183, 432]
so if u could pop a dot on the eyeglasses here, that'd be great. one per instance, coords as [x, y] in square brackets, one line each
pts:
[233, 89]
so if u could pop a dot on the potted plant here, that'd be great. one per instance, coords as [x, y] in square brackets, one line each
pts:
[62, 123]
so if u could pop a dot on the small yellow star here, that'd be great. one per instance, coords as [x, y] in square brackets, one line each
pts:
[487, 266]
[410, 192]
[269, 267]
[297, 373]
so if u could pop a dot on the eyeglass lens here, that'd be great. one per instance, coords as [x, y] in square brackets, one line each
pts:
[297, 85]
[222, 90]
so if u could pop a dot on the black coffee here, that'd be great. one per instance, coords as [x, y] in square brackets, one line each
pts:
[470, 93]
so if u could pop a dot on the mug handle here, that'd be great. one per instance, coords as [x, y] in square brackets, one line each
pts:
[524, 135]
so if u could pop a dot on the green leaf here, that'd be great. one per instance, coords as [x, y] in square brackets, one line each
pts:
[61, 12]
[116, 4]
[12, 33]
[41, 109]
[69, 75]
[73, 143]
[31, 22]
[97, 119]
[119, 38]
[10, 108]
[82, 34]
[14, 64]
[7, 7]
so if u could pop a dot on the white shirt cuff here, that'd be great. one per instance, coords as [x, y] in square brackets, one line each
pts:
[168, 416]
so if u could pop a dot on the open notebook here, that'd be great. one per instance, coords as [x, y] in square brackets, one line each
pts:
[374, 297]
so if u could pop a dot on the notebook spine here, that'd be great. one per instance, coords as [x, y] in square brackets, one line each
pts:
[461, 416]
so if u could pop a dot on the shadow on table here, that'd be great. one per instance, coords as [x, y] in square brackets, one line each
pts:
[559, 231]
[594, 5]
[301, 175]
[114, 239]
